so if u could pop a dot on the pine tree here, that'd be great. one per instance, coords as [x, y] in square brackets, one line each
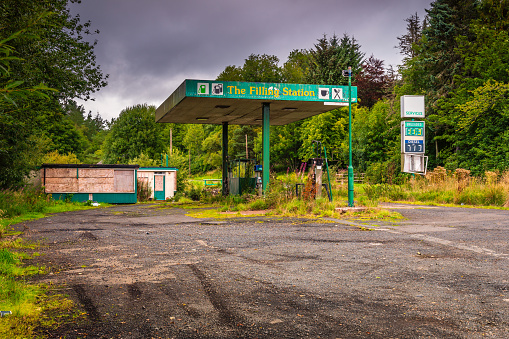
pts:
[330, 57]
[412, 37]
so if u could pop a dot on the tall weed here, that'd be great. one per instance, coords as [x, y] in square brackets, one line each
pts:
[458, 187]
[28, 199]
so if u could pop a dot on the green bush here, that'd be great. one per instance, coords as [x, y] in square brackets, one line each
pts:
[194, 193]
[259, 204]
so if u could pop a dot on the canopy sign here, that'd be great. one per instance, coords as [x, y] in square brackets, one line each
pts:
[239, 103]
[269, 91]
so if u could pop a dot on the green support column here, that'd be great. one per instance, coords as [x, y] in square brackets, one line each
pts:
[266, 145]
[225, 159]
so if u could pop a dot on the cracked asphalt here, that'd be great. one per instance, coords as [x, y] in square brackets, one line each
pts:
[142, 271]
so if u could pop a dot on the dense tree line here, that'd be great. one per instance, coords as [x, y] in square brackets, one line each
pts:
[457, 56]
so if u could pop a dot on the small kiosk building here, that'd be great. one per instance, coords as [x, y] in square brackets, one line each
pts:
[161, 180]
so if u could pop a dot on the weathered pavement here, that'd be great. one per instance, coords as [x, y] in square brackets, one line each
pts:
[146, 272]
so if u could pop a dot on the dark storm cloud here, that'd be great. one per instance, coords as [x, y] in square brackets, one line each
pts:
[149, 47]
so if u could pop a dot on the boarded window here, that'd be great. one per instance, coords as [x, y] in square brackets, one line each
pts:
[124, 181]
[159, 183]
[96, 180]
[61, 180]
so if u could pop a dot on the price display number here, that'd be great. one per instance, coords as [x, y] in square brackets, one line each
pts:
[413, 131]
[414, 146]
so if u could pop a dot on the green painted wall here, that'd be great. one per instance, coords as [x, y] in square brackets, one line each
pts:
[110, 198]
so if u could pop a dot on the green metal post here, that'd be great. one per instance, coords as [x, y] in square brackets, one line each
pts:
[350, 167]
[225, 159]
[266, 145]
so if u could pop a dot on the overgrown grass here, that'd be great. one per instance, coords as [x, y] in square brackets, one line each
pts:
[30, 203]
[31, 305]
[446, 187]
[283, 199]
[438, 187]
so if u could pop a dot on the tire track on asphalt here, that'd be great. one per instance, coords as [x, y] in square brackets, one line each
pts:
[226, 315]
[87, 303]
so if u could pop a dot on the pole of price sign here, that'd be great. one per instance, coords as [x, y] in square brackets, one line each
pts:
[350, 167]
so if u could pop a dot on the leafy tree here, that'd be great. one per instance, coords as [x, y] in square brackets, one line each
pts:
[372, 82]
[212, 147]
[175, 132]
[261, 68]
[436, 61]
[437, 69]
[93, 128]
[329, 128]
[375, 135]
[132, 133]
[56, 158]
[54, 51]
[256, 68]
[231, 73]
[20, 148]
[285, 151]
[460, 64]
[238, 142]
[330, 57]
[482, 136]
[144, 161]
[296, 67]
[193, 140]
[65, 137]
[50, 52]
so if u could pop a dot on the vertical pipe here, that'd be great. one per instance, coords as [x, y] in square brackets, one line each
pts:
[328, 176]
[225, 159]
[266, 145]
[247, 152]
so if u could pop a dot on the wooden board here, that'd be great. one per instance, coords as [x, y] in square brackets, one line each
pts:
[96, 185]
[96, 172]
[124, 181]
[61, 172]
[61, 185]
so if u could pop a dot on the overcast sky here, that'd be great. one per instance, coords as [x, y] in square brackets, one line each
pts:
[148, 47]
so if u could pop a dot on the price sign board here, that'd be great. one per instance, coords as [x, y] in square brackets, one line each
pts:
[412, 136]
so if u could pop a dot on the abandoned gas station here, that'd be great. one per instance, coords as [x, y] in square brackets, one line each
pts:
[250, 103]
